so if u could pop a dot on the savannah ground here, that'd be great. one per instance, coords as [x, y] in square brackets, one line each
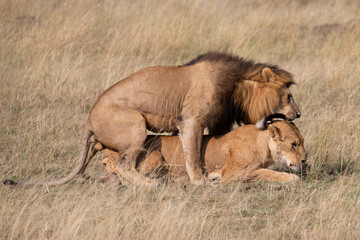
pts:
[56, 57]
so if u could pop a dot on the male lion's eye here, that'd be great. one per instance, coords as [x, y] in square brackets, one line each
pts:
[294, 145]
[289, 98]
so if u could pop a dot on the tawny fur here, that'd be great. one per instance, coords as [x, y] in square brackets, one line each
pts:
[212, 91]
[240, 155]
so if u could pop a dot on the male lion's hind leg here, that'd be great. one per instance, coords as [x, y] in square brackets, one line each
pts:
[124, 130]
[274, 176]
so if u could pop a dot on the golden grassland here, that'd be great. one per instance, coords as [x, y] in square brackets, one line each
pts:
[57, 56]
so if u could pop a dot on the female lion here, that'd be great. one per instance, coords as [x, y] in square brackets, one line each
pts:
[240, 155]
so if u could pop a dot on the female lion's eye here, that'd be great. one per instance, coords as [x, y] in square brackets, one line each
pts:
[293, 145]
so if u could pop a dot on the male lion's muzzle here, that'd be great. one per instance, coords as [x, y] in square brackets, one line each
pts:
[297, 114]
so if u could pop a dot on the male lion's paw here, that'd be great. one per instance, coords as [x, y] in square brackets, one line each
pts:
[196, 178]
[198, 182]
[214, 178]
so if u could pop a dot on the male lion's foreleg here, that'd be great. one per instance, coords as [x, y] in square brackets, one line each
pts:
[270, 175]
[191, 133]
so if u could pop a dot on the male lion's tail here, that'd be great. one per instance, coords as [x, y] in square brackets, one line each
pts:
[79, 165]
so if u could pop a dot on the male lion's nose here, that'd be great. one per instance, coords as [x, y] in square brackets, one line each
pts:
[298, 114]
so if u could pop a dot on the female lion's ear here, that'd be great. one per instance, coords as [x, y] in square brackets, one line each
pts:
[268, 75]
[275, 133]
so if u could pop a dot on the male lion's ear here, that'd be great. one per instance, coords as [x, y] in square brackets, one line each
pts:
[274, 132]
[268, 75]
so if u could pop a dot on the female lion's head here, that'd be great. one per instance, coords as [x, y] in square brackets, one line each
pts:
[287, 145]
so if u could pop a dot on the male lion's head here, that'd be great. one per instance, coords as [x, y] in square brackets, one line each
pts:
[282, 81]
[287, 145]
[266, 96]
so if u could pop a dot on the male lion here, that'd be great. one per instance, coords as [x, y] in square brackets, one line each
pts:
[240, 155]
[214, 90]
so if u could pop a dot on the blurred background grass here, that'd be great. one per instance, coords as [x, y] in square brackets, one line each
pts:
[57, 56]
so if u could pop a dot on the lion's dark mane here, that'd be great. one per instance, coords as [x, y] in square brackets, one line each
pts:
[231, 71]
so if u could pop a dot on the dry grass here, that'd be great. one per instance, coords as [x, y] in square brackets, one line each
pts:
[56, 57]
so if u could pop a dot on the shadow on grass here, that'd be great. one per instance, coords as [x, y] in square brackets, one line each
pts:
[345, 168]
[335, 169]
